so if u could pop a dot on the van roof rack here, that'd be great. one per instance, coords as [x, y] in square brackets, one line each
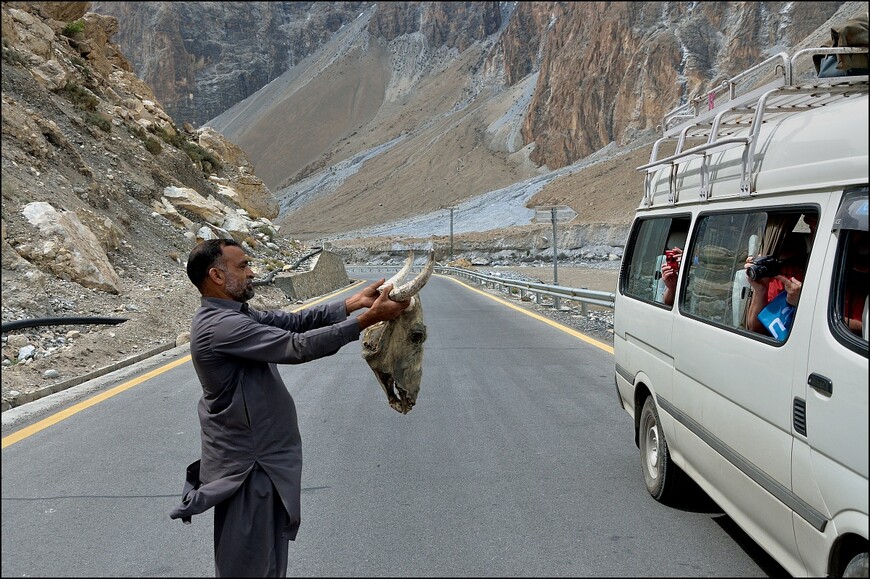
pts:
[736, 119]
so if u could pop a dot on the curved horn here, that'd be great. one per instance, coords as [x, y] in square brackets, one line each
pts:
[410, 288]
[400, 275]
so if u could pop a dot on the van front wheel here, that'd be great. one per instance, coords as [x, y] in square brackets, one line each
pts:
[662, 477]
[857, 567]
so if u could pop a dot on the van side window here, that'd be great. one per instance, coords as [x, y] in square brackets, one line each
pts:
[717, 288]
[851, 307]
[641, 276]
[716, 284]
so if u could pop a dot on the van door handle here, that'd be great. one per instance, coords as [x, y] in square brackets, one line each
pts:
[821, 384]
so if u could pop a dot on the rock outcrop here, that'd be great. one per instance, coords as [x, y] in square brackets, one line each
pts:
[68, 248]
[84, 136]
[609, 71]
[203, 57]
[93, 224]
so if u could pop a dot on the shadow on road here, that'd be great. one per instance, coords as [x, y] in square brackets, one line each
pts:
[695, 500]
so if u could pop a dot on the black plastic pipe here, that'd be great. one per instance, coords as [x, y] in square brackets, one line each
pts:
[18, 324]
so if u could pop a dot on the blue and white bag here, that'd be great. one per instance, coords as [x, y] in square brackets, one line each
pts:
[778, 316]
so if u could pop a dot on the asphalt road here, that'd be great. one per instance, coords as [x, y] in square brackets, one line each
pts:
[516, 461]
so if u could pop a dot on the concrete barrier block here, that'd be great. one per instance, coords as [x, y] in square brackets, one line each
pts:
[326, 275]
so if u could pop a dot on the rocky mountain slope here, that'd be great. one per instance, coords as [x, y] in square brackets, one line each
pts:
[411, 107]
[203, 57]
[103, 198]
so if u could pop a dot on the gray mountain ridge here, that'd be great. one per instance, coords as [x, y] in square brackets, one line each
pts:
[408, 108]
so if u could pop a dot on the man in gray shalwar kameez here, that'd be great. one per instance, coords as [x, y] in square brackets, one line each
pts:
[250, 469]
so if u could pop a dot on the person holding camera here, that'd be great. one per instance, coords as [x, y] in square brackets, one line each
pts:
[670, 268]
[769, 276]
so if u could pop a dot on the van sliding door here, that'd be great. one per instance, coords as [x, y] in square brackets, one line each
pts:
[733, 386]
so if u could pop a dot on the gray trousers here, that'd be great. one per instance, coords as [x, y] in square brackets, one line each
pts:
[250, 531]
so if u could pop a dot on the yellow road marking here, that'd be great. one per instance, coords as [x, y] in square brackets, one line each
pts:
[75, 409]
[544, 319]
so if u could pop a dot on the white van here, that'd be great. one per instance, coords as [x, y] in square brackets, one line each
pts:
[771, 422]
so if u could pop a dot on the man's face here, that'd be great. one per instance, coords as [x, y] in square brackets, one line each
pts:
[238, 275]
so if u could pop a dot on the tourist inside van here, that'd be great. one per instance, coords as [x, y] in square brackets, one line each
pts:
[669, 275]
[856, 283]
[793, 258]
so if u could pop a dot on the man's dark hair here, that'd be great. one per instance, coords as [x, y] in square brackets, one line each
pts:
[204, 256]
[794, 249]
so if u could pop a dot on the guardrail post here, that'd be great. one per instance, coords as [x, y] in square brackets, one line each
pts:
[584, 307]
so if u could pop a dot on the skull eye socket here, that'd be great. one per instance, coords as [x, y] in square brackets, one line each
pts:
[417, 336]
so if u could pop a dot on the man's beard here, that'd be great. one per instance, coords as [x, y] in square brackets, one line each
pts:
[240, 292]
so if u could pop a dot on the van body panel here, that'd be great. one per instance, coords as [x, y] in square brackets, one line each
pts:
[739, 423]
[815, 546]
[647, 346]
[717, 385]
[625, 390]
[724, 483]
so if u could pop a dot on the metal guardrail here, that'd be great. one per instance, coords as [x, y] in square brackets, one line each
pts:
[584, 296]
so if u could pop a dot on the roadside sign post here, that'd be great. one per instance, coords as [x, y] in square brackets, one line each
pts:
[450, 208]
[554, 213]
[451, 231]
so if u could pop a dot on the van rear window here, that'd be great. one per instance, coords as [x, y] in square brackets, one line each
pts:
[642, 277]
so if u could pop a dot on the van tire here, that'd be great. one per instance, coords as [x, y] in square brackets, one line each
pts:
[857, 567]
[661, 475]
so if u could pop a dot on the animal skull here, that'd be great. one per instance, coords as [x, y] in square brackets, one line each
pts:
[393, 349]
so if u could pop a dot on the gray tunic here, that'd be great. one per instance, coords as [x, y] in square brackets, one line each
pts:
[246, 414]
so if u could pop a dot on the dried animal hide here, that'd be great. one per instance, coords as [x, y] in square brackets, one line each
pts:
[393, 349]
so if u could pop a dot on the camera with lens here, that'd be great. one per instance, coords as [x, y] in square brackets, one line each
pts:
[763, 266]
[671, 259]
